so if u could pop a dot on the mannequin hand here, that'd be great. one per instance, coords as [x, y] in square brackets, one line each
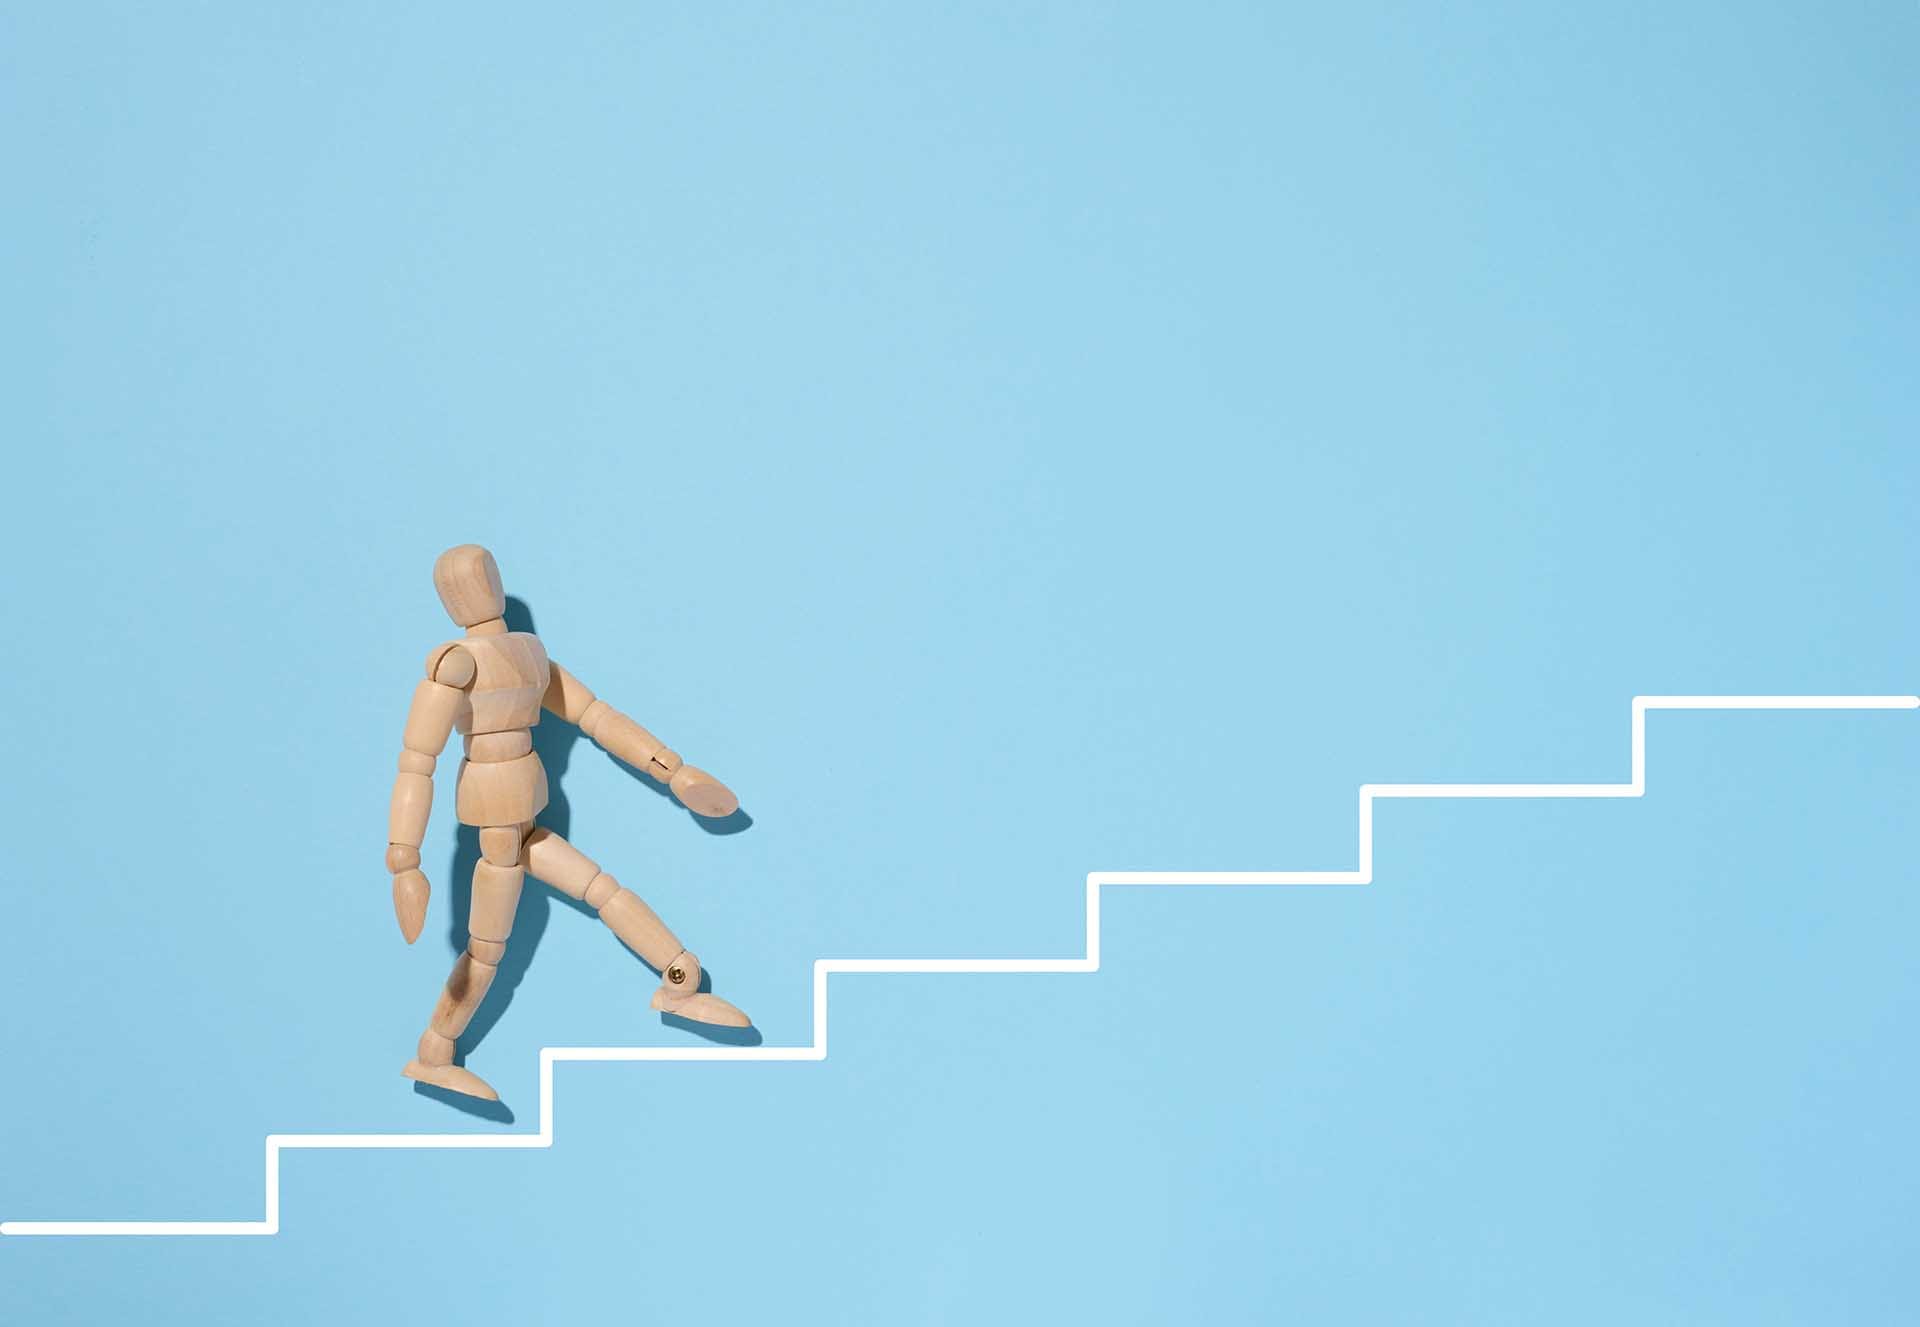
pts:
[703, 794]
[410, 892]
[410, 889]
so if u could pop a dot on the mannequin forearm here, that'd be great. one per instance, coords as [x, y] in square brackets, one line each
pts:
[628, 741]
[412, 801]
[574, 701]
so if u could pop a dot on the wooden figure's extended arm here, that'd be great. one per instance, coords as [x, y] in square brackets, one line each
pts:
[571, 699]
[429, 723]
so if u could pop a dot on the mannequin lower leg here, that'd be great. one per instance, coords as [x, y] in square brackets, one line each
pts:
[639, 927]
[497, 879]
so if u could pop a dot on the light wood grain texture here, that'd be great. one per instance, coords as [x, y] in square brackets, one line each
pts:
[466, 987]
[700, 1007]
[624, 738]
[567, 696]
[620, 736]
[490, 685]
[599, 889]
[500, 792]
[469, 584]
[434, 1048]
[430, 721]
[554, 860]
[509, 678]
[638, 926]
[408, 811]
[501, 845]
[703, 794]
[430, 718]
[496, 893]
[451, 1077]
[451, 664]
[492, 748]
[410, 895]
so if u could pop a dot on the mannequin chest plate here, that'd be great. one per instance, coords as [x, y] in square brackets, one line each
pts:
[510, 676]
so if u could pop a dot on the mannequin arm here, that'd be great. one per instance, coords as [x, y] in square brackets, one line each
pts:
[429, 723]
[571, 699]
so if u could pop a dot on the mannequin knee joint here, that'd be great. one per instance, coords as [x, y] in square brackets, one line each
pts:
[501, 847]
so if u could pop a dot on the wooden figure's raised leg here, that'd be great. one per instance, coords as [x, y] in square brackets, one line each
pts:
[554, 860]
[497, 878]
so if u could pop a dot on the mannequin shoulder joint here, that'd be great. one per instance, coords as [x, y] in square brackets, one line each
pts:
[450, 664]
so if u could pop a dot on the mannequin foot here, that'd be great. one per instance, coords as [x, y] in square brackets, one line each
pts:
[452, 1077]
[701, 1008]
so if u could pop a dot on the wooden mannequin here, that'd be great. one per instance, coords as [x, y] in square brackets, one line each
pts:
[491, 686]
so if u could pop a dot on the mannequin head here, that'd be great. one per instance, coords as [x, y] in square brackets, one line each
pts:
[469, 584]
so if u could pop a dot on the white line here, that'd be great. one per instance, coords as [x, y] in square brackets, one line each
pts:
[826, 967]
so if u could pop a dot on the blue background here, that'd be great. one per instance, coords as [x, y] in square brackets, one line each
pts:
[1002, 444]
